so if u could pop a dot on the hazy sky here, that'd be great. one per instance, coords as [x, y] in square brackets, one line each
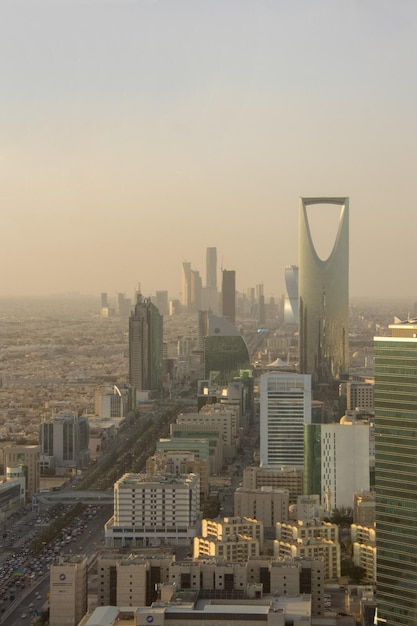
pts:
[135, 133]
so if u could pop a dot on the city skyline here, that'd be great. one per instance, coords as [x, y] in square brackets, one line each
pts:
[136, 133]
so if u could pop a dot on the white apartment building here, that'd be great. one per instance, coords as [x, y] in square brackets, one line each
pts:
[345, 462]
[285, 405]
[154, 511]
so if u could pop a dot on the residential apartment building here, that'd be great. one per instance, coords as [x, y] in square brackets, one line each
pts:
[312, 540]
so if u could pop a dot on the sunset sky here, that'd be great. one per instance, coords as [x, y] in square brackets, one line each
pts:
[135, 133]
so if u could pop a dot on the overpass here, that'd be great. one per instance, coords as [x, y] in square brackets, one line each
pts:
[73, 496]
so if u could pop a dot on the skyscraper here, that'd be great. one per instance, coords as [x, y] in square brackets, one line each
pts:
[64, 440]
[291, 298]
[285, 404]
[161, 302]
[210, 295]
[186, 286]
[195, 291]
[396, 474]
[145, 346]
[229, 295]
[211, 268]
[324, 298]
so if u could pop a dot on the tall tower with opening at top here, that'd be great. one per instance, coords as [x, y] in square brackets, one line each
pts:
[323, 298]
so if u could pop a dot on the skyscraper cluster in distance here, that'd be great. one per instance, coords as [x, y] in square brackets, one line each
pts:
[325, 445]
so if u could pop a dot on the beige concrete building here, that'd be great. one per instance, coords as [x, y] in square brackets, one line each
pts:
[179, 464]
[23, 462]
[68, 591]
[312, 540]
[222, 528]
[130, 580]
[181, 609]
[290, 478]
[364, 508]
[210, 577]
[267, 505]
[231, 539]
[364, 549]
[238, 548]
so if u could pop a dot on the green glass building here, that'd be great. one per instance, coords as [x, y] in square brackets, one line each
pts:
[396, 474]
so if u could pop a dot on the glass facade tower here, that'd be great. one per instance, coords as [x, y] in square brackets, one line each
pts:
[396, 474]
[145, 346]
[285, 405]
[323, 298]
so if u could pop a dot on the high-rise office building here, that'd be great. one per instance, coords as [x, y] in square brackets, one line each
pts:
[211, 268]
[396, 474]
[210, 296]
[196, 289]
[291, 298]
[145, 346]
[261, 304]
[285, 405]
[124, 305]
[64, 441]
[323, 298]
[229, 295]
[161, 302]
[186, 286]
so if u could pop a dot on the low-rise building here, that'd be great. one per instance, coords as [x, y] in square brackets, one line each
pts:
[311, 540]
[267, 505]
[364, 549]
[291, 478]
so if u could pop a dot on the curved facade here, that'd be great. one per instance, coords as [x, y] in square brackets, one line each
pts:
[323, 298]
[291, 299]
